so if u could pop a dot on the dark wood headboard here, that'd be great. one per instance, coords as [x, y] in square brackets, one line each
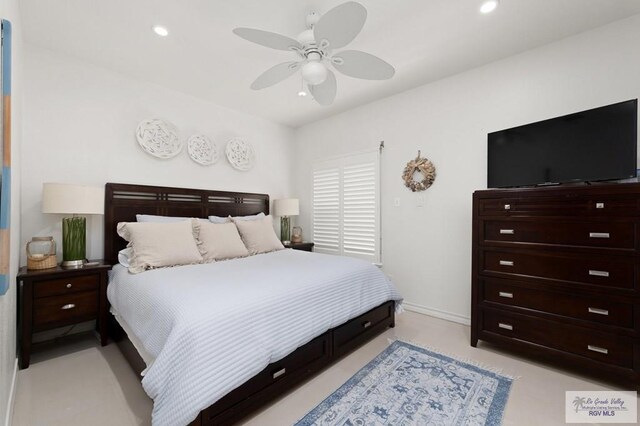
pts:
[123, 201]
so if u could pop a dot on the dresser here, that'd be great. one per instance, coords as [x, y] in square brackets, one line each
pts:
[556, 272]
[56, 297]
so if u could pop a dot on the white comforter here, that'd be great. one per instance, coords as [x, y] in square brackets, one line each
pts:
[212, 327]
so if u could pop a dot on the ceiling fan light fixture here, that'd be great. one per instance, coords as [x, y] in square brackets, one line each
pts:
[489, 6]
[314, 72]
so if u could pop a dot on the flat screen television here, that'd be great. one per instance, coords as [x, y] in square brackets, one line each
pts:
[593, 145]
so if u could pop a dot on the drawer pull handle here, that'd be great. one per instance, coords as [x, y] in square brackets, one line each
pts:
[68, 306]
[507, 206]
[366, 324]
[595, 273]
[505, 294]
[507, 231]
[69, 285]
[599, 205]
[279, 373]
[598, 235]
[505, 326]
[598, 311]
[506, 263]
[598, 349]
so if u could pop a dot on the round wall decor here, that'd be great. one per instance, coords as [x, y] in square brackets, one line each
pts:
[240, 154]
[202, 150]
[159, 138]
[422, 166]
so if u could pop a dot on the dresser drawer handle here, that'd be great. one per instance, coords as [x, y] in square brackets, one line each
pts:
[507, 206]
[279, 373]
[505, 326]
[68, 306]
[507, 231]
[598, 235]
[595, 273]
[598, 311]
[599, 205]
[69, 285]
[505, 294]
[506, 263]
[598, 349]
[366, 324]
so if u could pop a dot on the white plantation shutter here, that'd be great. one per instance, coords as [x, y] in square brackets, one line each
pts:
[346, 213]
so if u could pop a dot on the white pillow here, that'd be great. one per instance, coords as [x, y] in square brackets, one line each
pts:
[258, 235]
[220, 219]
[163, 219]
[124, 255]
[221, 241]
[156, 245]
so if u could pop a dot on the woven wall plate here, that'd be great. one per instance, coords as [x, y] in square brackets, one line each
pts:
[202, 150]
[240, 154]
[159, 138]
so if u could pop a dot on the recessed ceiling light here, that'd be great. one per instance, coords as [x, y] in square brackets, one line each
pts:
[302, 93]
[488, 6]
[160, 30]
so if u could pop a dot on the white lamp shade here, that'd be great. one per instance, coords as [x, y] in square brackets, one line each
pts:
[286, 207]
[65, 198]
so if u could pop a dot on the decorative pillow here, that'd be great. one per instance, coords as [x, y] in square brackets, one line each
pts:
[220, 219]
[156, 245]
[163, 219]
[221, 241]
[258, 235]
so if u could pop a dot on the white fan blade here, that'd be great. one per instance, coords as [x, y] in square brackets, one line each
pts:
[325, 92]
[275, 75]
[268, 39]
[340, 25]
[362, 65]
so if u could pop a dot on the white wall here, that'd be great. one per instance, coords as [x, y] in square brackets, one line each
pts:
[81, 129]
[427, 250]
[9, 10]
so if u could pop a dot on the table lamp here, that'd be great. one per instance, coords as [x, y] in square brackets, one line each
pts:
[60, 198]
[285, 208]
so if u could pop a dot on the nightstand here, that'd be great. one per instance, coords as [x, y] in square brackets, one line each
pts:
[300, 246]
[56, 297]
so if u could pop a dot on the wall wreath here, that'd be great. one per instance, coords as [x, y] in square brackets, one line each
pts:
[425, 168]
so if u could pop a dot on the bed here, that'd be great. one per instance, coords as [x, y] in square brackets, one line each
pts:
[293, 345]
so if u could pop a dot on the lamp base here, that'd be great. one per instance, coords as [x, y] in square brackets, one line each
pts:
[72, 264]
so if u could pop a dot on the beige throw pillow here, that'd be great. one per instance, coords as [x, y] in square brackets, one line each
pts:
[156, 244]
[258, 235]
[221, 241]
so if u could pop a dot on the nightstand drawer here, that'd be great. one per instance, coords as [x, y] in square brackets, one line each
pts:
[65, 286]
[57, 311]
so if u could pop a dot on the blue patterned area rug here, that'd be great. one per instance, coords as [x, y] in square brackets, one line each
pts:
[409, 385]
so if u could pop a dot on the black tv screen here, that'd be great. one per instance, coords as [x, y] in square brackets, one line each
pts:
[597, 144]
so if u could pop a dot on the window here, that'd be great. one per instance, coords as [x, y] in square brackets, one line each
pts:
[346, 212]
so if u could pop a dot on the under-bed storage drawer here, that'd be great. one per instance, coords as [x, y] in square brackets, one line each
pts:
[350, 334]
[291, 369]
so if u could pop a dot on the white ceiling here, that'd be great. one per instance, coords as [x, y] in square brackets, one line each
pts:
[424, 39]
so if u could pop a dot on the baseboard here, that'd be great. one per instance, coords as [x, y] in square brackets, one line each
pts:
[12, 395]
[449, 316]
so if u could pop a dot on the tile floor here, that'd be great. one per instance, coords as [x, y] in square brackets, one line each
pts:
[82, 383]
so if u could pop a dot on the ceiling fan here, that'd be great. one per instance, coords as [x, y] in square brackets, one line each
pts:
[315, 49]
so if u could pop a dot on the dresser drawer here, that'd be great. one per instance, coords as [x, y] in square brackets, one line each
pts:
[57, 287]
[596, 345]
[604, 206]
[620, 235]
[57, 311]
[598, 310]
[599, 270]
